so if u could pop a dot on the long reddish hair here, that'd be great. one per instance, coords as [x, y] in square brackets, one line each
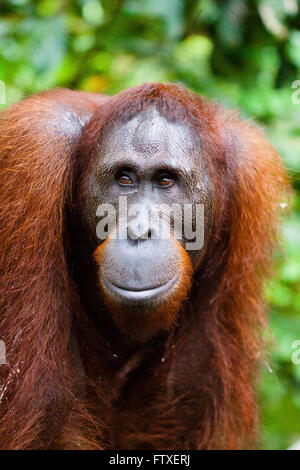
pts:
[58, 388]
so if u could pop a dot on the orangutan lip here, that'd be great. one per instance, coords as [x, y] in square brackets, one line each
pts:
[136, 294]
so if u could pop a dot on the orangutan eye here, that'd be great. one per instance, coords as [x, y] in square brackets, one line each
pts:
[124, 180]
[165, 181]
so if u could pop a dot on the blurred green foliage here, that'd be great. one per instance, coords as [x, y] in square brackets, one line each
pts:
[245, 54]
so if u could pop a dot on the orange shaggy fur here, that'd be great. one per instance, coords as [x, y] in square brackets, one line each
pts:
[193, 387]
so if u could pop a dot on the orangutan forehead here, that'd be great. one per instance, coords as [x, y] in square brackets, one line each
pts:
[151, 133]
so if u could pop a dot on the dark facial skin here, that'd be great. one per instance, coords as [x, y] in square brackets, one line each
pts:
[151, 161]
